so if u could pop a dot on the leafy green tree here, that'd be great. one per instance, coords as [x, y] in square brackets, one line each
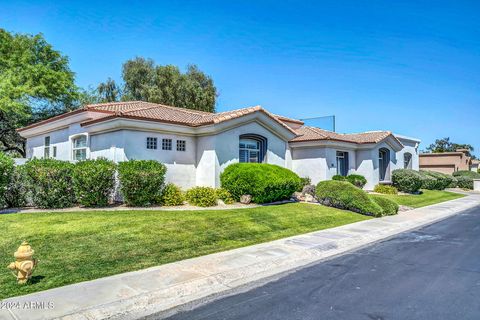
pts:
[168, 85]
[35, 83]
[445, 145]
[108, 91]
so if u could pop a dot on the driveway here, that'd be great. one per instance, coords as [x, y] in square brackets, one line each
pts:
[432, 273]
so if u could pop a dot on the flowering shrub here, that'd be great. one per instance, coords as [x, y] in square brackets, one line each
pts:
[385, 189]
[51, 183]
[172, 195]
[141, 181]
[202, 196]
[94, 182]
[224, 195]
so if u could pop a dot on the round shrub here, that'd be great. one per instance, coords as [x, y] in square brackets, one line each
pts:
[388, 206]
[6, 171]
[385, 189]
[141, 181]
[407, 180]
[343, 195]
[338, 177]
[442, 180]
[51, 183]
[465, 182]
[224, 195]
[172, 195]
[202, 196]
[264, 182]
[429, 182]
[94, 182]
[18, 189]
[357, 180]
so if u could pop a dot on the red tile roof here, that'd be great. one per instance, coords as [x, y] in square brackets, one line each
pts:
[306, 133]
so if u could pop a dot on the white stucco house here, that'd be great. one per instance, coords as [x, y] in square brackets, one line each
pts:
[197, 146]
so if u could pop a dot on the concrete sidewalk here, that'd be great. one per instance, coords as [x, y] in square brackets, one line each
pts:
[164, 288]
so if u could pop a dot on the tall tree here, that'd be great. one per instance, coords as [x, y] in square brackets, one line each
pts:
[108, 91]
[168, 85]
[35, 83]
[445, 145]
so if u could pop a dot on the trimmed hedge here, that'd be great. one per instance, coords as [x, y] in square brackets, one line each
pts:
[94, 182]
[18, 190]
[6, 171]
[454, 183]
[388, 206]
[172, 195]
[202, 196]
[467, 173]
[407, 180]
[338, 177]
[224, 195]
[344, 195]
[435, 180]
[385, 189]
[465, 182]
[264, 182]
[357, 180]
[141, 181]
[51, 183]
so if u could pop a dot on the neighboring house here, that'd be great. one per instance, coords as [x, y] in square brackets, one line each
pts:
[446, 162]
[475, 166]
[197, 146]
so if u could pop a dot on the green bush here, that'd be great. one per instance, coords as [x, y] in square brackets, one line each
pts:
[6, 172]
[385, 189]
[407, 180]
[357, 180]
[51, 183]
[467, 173]
[172, 195]
[141, 181]
[465, 182]
[338, 177]
[94, 182]
[18, 189]
[454, 183]
[224, 195]
[305, 181]
[388, 206]
[202, 196]
[264, 182]
[344, 195]
[435, 180]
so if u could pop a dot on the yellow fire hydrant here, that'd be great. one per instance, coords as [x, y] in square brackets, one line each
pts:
[24, 263]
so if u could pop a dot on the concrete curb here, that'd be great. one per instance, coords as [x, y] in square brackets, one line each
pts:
[167, 288]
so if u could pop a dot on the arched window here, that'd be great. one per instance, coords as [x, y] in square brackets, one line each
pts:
[252, 148]
[383, 163]
[407, 160]
[79, 148]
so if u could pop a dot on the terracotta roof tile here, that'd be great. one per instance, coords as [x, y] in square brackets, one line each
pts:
[306, 133]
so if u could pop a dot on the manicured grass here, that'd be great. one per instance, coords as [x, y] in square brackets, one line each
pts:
[79, 246]
[428, 197]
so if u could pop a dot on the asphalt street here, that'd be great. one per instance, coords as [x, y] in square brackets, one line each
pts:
[431, 273]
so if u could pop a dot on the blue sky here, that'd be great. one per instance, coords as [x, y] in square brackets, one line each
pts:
[412, 67]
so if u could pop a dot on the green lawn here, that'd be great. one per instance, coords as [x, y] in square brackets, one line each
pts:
[79, 246]
[428, 197]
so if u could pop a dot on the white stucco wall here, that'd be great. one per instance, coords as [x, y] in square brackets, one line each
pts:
[215, 153]
[411, 147]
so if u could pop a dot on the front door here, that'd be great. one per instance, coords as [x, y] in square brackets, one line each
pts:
[383, 161]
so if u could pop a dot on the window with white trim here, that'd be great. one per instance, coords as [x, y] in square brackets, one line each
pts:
[407, 160]
[181, 145]
[46, 150]
[166, 144]
[79, 148]
[151, 143]
[249, 150]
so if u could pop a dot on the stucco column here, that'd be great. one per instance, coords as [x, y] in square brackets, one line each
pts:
[476, 185]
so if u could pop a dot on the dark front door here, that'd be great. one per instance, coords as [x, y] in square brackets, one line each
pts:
[383, 161]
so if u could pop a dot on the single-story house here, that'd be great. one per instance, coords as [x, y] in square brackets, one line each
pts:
[446, 162]
[197, 146]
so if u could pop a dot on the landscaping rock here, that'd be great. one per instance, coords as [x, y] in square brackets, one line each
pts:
[298, 196]
[246, 199]
[309, 198]
[308, 189]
